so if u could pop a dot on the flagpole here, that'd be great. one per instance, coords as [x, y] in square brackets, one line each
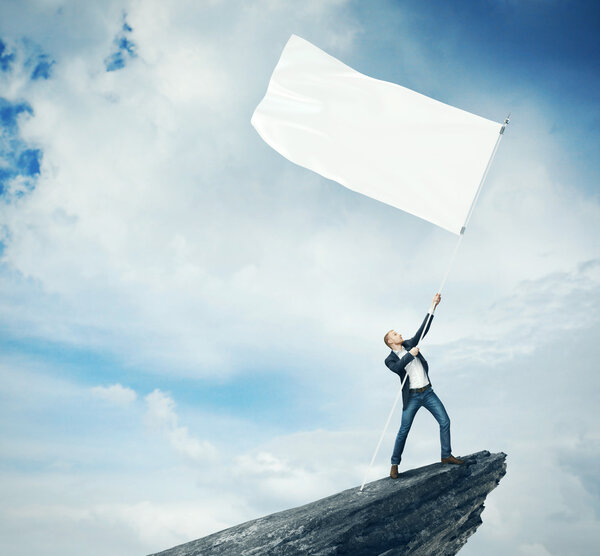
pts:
[461, 235]
[485, 173]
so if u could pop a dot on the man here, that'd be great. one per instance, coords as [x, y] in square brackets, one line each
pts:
[417, 391]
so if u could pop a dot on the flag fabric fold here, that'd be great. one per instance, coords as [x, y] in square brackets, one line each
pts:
[375, 137]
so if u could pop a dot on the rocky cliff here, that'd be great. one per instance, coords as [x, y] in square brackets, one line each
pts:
[431, 510]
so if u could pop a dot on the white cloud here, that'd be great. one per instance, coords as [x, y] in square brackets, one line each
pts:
[115, 393]
[263, 463]
[145, 214]
[555, 305]
[161, 415]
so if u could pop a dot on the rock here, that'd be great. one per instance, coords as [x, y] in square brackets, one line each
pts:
[431, 510]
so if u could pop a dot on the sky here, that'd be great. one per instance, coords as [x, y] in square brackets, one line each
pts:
[191, 326]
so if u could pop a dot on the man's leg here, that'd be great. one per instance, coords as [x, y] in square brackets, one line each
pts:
[437, 409]
[408, 414]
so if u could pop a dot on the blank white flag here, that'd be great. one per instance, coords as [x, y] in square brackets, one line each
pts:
[375, 137]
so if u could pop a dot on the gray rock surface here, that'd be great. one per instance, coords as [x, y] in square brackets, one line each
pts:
[431, 510]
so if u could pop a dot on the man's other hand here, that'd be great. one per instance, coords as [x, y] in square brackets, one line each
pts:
[414, 351]
[436, 300]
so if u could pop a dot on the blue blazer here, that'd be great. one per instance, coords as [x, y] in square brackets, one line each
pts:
[398, 366]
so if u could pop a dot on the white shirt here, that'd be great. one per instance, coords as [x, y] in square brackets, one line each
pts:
[416, 373]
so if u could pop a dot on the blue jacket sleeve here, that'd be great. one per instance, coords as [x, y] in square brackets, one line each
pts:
[398, 365]
[408, 344]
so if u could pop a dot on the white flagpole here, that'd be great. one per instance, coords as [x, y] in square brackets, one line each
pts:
[485, 173]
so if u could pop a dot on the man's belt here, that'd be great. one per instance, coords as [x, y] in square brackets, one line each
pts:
[420, 389]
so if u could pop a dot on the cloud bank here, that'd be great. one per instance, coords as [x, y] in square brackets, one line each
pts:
[158, 259]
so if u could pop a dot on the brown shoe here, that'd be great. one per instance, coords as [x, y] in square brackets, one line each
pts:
[452, 459]
[394, 472]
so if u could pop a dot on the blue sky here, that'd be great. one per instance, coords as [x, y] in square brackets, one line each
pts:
[182, 306]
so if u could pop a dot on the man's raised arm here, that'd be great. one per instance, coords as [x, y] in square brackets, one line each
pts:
[415, 339]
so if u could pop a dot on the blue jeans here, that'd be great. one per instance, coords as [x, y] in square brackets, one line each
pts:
[429, 400]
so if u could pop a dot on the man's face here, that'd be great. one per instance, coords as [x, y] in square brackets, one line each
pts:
[395, 338]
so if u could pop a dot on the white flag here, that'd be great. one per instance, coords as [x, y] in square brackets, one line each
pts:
[375, 137]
